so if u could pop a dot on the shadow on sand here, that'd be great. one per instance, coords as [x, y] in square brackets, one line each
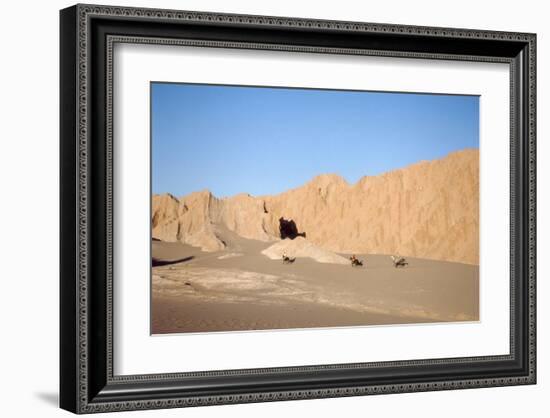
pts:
[156, 262]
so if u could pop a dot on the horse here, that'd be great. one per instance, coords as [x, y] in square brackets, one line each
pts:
[288, 260]
[355, 262]
[399, 261]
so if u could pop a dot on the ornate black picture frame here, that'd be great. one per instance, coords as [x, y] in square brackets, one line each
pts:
[87, 36]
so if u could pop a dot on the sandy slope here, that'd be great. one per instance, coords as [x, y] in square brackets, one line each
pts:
[300, 247]
[241, 289]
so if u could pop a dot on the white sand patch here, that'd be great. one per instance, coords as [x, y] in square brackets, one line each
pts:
[300, 247]
[228, 285]
[229, 255]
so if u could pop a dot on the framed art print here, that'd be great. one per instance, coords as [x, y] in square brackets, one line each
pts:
[261, 208]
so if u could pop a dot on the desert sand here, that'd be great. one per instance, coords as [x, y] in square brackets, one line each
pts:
[241, 288]
[217, 262]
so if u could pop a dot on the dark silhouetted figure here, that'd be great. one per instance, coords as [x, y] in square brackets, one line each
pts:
[288, 260]
[399, 261]
[288, 229]
[355, 262]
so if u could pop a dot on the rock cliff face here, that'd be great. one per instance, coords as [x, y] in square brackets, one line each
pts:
[428, 210]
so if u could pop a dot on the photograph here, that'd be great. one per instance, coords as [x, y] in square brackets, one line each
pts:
[294, 208]
[258, 204]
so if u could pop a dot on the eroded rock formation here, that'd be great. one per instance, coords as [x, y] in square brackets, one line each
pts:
[429, 210]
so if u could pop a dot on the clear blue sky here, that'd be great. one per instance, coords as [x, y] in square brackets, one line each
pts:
[261, 140]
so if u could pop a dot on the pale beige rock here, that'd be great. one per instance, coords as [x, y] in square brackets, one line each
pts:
[428, 210]
[237, 213]
[165, 219]
[300, 247]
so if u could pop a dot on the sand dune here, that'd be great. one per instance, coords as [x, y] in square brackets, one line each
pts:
[428, 210]
[246, 290]
[300, 247]
[217, 262]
